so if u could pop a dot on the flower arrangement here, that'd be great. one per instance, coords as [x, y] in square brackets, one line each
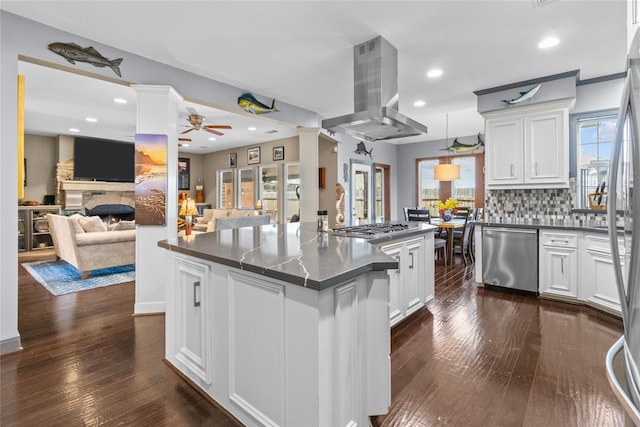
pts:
[447, 205]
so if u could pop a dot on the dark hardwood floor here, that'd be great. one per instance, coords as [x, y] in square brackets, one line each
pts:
[474, 357]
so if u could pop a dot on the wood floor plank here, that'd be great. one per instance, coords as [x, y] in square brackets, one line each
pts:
[473, 357]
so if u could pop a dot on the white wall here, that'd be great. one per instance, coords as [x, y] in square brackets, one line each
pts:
[41, 153]
[383, 152]
[598, 96]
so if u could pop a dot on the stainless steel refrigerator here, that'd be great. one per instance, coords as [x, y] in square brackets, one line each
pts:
[622, 208]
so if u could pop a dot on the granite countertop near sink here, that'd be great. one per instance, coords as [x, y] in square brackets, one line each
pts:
[558, 224]
[294, 252]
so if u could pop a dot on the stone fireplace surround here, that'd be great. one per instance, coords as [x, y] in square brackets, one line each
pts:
[81, 195]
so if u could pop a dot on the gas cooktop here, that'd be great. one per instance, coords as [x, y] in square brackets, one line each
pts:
[369, 230]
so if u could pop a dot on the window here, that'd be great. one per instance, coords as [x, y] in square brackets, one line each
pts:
[429, 188]
[595, 140]
[468, 190]
[464, 189]
[225, 189]
[292, 192]
[269, 187]
[245, 197]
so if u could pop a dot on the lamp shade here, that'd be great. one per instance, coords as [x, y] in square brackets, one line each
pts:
[446, 172]
[188, 207]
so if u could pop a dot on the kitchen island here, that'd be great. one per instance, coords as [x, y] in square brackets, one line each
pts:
[282, 325]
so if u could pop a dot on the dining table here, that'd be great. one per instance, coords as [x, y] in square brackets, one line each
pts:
[449, 226]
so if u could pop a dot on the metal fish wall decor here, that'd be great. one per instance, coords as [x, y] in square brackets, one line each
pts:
[523, 96]
[362, 149]
[249, 103]
[73, 52]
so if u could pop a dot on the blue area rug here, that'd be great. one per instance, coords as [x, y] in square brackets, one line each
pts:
[60, 277]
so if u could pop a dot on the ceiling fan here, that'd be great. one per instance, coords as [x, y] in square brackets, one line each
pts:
[197, 123]
[181, 140]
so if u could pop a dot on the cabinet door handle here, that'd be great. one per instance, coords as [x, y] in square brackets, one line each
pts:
[536, 168]
[512, 172]
[562, 265]
[196, 299]
[398, 259]
[411, 255]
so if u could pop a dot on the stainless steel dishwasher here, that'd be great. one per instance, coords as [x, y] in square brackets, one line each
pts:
[510, 257]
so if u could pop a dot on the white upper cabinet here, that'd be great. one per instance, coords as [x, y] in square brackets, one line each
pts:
[528, 147]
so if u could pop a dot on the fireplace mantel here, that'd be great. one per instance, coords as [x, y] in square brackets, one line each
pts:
[97, 186]
[79, 195]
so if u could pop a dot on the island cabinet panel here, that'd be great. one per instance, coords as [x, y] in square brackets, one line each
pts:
[256, 347]
[528, 147]
[192, 348]
[412, 284]
[597, 275]
[281, 354]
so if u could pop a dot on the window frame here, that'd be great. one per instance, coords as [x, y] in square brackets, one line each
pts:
[574, 121]
[445, 187]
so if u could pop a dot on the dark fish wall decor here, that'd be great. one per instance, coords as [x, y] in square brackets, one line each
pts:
[362, 149]
[73, 52]
[249, 103]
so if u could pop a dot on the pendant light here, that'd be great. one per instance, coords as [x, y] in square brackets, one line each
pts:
[446, 171]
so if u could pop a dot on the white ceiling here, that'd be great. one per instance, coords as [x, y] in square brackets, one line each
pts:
[301, 52]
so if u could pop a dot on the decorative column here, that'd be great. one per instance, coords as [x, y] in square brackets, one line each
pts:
[157, 114]
[309, 192]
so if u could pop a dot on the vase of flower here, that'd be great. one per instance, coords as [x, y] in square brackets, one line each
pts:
[447, 208]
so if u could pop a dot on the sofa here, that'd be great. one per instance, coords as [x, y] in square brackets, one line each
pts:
[220, 219]
[88, 243]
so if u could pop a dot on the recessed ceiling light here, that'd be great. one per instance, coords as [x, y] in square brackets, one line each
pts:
[185, 145]
[548, 42]
[434, 73]
[419, 103]
[74, 130]
[212, 139]
[120, 100]
[251, 128]
[91, 119]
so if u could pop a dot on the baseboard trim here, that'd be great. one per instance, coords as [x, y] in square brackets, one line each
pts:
[10, 345]
[148, 308]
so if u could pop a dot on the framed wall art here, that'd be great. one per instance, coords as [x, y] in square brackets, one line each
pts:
[278, 153]
[253, 155]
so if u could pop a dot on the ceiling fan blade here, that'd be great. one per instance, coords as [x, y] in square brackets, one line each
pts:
[192, 111]
[218, 126]
[184, 139]
[215, 132]
[187, 131]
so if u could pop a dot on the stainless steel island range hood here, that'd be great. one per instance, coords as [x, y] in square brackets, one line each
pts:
[375, 96]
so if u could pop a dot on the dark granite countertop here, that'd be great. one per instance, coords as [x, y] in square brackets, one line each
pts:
[553, 224]
[295, 252]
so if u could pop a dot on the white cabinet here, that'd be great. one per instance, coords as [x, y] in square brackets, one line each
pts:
[411, 285]
[558, 263]
[528, 147]
[597, 275]
[192, 311]
[504, 151]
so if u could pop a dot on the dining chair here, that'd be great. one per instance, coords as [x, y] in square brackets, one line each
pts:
[461, 237]
[423, 215]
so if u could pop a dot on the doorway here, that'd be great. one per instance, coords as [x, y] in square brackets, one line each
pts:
[382, 186]
[362, 210]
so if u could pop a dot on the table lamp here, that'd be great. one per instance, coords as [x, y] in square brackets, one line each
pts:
[188, 209]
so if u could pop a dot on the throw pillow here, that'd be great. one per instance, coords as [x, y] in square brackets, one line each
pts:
[125, 225]
[77, 228]
[92, 224]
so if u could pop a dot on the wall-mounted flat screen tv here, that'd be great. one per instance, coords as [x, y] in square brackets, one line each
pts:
[103, 160]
